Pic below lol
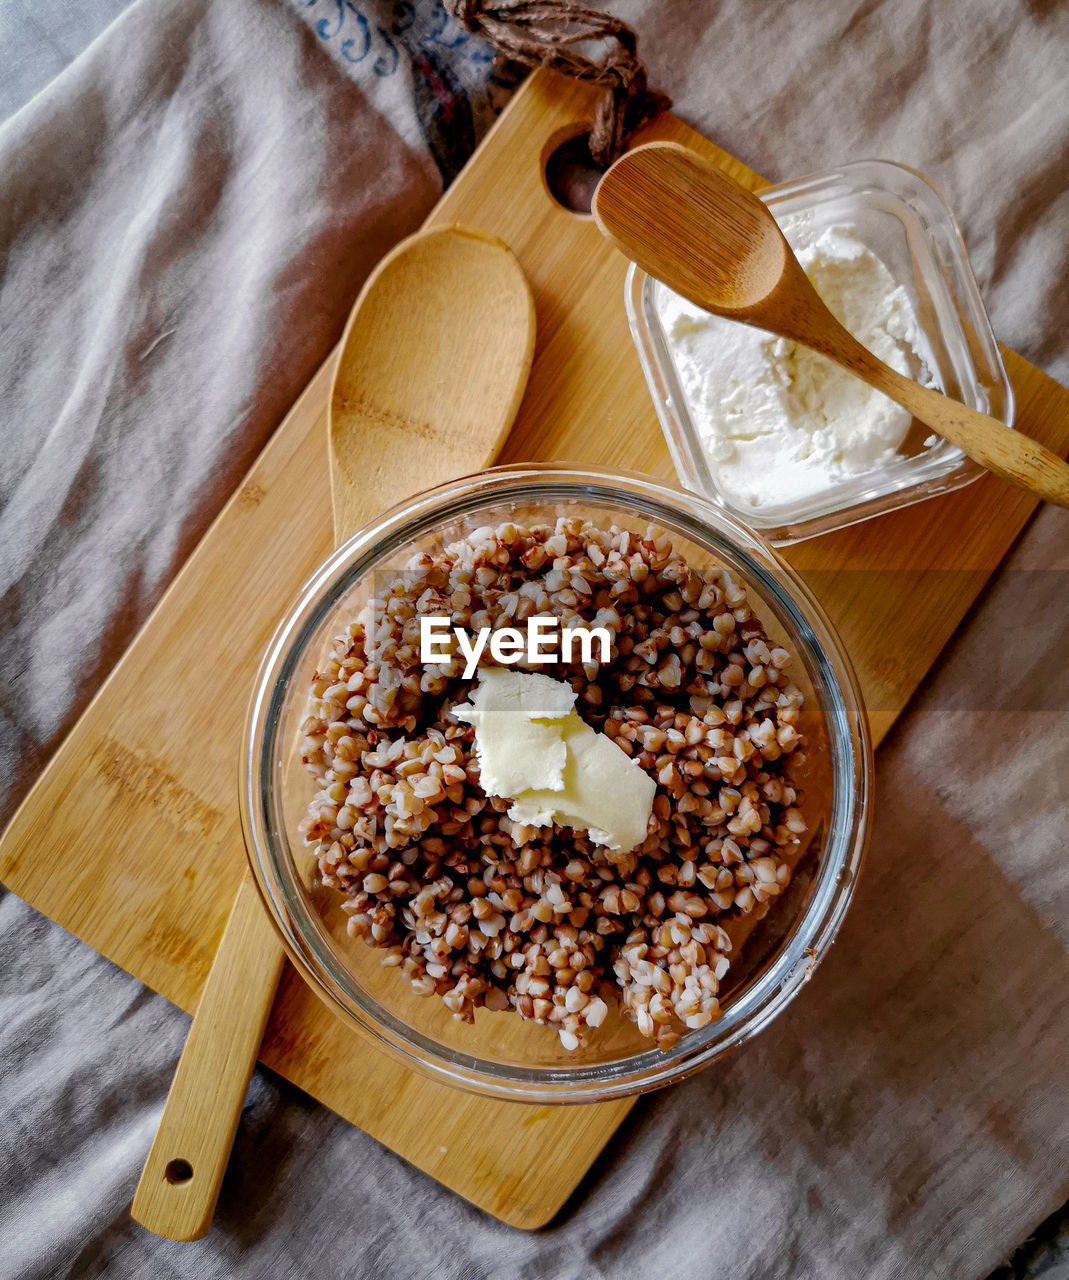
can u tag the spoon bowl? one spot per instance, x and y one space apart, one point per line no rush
729 270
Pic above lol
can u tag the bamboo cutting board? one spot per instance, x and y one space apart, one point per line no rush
131 837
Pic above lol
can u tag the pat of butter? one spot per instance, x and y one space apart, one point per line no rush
604 792
515 748
534 749
521 693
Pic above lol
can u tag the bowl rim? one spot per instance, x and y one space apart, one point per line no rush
849 818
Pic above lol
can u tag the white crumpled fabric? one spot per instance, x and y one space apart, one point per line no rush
188 211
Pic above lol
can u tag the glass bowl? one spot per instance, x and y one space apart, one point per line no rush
500 1055
907 224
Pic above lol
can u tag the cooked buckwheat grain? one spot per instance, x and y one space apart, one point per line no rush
479 910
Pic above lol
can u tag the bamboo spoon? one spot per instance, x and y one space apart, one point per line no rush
432 369
691 226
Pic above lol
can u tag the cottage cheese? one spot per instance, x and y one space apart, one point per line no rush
777 422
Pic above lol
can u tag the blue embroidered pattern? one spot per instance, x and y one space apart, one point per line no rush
457 85
356 37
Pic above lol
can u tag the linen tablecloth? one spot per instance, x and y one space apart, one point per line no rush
187 212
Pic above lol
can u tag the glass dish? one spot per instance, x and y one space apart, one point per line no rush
500 1055
901 217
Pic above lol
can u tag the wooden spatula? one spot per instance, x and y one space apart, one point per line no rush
691 226
432 369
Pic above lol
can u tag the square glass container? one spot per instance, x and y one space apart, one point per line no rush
907 224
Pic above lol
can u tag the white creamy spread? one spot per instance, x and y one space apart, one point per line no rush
779 423
534 749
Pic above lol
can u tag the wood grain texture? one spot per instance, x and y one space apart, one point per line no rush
180 1182
713 241
153 761
433 365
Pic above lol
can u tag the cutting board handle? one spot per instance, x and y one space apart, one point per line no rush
184 1170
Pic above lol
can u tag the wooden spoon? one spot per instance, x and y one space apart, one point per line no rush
432 369
691 226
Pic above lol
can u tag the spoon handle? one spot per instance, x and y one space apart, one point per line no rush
1009 454
184 1170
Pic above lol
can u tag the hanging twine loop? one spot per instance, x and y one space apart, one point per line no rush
545 33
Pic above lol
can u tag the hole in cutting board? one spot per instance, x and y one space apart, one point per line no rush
571 175
178 1171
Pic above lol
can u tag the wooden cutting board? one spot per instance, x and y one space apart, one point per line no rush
131 837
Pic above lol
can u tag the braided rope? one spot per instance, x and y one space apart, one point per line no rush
543 33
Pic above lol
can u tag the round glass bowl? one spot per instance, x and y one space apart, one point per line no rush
501 1055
